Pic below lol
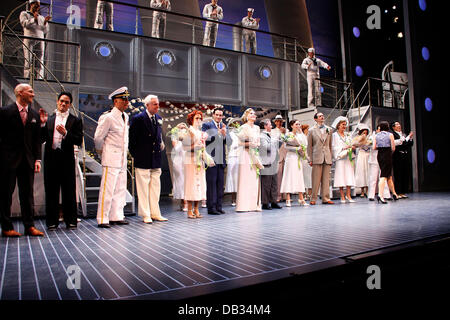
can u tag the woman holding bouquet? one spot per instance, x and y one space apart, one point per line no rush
177 156
343 153
364 145
292 181
248 191
194 143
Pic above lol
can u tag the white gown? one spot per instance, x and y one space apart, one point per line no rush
293 172
178 171
344 174
231 180
362 168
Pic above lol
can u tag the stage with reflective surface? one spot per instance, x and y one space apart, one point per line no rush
184 258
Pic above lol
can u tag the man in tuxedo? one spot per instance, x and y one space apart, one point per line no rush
145 146
319 152
111 143
269 153
20 159
218 137
401 159
60 132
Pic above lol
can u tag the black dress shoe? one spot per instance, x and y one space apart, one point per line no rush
220 211
276 206
104 225
52 227
266 207
214 212
371 199
119 222
72 226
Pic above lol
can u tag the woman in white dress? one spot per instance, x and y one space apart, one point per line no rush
194 143
306 167
231 180
362 161
344 174
248 191
292 181
177 156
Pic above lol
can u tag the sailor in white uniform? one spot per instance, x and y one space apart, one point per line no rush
211 11
250 36
111 143
104 9
159 18
311 64
36 26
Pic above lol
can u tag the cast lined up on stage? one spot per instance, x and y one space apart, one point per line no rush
200 156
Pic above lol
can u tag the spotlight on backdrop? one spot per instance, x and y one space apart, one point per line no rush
425 53
431 156
428 104
359 71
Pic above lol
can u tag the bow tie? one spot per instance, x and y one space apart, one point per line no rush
322 126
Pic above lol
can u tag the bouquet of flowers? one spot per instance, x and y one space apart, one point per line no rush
290 139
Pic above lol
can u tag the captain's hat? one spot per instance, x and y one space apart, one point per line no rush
119 93
311 50
251 9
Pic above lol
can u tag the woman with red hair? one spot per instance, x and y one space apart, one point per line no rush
194 166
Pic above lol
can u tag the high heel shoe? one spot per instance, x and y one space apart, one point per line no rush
197 214
302 202
381 200
395 197
350 200
190 215
288 203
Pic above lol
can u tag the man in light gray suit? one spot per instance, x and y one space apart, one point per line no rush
268 151
319 153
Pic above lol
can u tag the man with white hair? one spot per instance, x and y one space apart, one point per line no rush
36 26
311 64
104 8
249 35
146 146
211 11
111 143
159 18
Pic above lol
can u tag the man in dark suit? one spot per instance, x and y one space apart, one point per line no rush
218 137
20 158
146 145
60 133
401 159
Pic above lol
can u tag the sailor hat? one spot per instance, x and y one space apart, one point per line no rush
33 1
251 9
311 50
119 93
278 117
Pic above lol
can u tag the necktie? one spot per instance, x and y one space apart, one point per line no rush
23 115
153 121
123 117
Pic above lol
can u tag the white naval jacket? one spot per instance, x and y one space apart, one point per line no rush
313 69
159 5
208 9
30 27
111 139
249 23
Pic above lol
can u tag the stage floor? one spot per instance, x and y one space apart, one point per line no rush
183 258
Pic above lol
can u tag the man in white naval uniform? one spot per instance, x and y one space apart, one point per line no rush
249 35
311 64
104 9
213 12
36 26
159 18
111 142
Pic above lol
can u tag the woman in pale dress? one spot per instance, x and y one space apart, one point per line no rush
292 181
231 180
194 143
248 191
362 161
177 157
306 167
344 175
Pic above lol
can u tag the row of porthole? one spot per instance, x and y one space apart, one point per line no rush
166 58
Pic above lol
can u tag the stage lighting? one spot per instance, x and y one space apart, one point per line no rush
104 50
428 104
219 65
166 58
431 156
359 71
356 32
423 5
425 53
400 35
265 72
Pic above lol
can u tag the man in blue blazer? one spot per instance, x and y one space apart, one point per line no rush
218 137
146 145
